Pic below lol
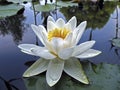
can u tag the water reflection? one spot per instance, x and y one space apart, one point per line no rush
115 42
97 3
8 84
91 12
96 74
12 26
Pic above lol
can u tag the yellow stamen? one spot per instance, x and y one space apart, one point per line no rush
58 32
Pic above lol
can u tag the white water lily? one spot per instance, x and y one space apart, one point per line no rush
60 46
43 2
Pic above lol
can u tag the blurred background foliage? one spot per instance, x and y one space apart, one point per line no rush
95 13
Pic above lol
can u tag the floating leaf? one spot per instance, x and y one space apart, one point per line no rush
9 10
19 1
106 77
37 83
44 8
116 42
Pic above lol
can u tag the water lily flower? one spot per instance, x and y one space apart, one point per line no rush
60 51
43 2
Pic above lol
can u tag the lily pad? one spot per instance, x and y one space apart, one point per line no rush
45 8
104 77
9 10
19 1
116 42
66 4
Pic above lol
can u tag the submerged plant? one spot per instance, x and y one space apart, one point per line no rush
60 51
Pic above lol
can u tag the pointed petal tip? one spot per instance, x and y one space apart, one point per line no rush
85 22
33 25
19 46
51 84
93 41
60 23
50 18
26 75
74 17
40 26
99 52
27 47
89 54
85 81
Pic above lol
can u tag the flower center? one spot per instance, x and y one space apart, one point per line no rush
58 32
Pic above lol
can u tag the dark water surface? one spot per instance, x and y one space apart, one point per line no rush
103 27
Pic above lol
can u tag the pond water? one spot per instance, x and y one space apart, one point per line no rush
103 27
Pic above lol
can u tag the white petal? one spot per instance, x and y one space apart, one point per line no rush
57 44
83 47
46 42
27 47
43 52
38 67
28 52
54 71
67 40
68 26
38 31
42 34
73 22
74 69
89 53
50 19
42 28
60 23
73 40
79 30
68 37
51 26
66 53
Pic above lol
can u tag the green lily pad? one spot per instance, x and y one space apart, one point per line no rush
104 77
9 10
18 1
45 8
66 4
116 42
